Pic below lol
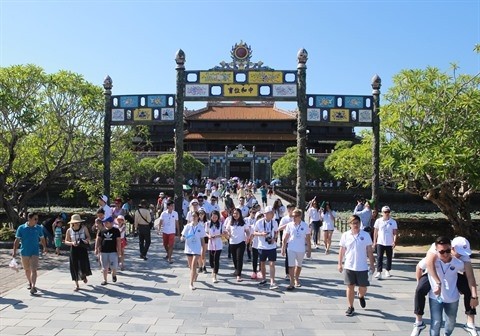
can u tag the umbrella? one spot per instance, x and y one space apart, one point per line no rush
186 187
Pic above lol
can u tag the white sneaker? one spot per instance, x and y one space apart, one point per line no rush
387 274
472 331
417 328
378 275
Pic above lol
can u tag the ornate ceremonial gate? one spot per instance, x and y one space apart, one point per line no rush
241 79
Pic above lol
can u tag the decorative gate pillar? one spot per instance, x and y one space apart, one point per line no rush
107 134
376 84
179 136
302 58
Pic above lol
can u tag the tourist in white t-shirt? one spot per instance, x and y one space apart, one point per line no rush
253 240
356 257
281 227
192 235
296 236
384 240
215 232
328 217
266 230
447 268
466 284
315 221
170 227
238 233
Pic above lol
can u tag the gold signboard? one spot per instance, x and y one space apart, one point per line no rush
142 114
216 77
339 115
240 90
265 77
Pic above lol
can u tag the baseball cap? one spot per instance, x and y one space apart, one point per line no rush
386 208
120 217
109 219
201 195
103 198
227 194
267 209
194 201
461 246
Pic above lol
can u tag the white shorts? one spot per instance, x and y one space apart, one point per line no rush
295 258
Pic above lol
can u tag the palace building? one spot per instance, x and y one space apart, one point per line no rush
243 139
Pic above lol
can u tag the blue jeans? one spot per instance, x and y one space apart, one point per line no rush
450 313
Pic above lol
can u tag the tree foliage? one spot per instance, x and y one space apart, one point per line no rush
51 130
352 163
164 165
433 139
286 166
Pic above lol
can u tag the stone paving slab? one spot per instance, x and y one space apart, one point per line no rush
152 298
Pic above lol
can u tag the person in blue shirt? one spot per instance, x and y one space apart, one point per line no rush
29 235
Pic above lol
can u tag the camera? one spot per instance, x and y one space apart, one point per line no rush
269 239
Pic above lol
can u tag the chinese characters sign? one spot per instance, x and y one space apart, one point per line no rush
241 84
143 109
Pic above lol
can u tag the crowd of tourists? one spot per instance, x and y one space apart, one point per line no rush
254 233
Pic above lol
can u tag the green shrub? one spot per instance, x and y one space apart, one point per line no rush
7 234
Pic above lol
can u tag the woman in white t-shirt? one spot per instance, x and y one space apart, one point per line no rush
215 232
192 235
238 233
278 211
203 220
328 217
315 222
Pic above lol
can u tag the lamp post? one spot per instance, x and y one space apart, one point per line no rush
107 134
376 84
178 136
302 57
226 153
253 167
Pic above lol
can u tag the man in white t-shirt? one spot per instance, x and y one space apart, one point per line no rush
214 203
466 284
243 207
447 268
297 235
170 227
356 249
384 240
266 230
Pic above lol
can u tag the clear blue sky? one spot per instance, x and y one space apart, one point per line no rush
135 41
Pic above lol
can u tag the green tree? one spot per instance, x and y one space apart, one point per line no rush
51 130
432 146
164 165
352 163
286 166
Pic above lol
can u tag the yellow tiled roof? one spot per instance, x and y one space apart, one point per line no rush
241 112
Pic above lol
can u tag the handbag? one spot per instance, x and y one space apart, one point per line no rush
81 243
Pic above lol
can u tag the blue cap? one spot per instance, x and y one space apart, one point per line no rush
109 219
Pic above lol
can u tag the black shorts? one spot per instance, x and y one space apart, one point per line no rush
271 255
358 278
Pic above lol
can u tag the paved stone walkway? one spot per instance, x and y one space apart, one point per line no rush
153 298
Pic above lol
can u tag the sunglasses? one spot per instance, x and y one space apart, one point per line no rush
445 251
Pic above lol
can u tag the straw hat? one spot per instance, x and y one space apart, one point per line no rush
76 219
